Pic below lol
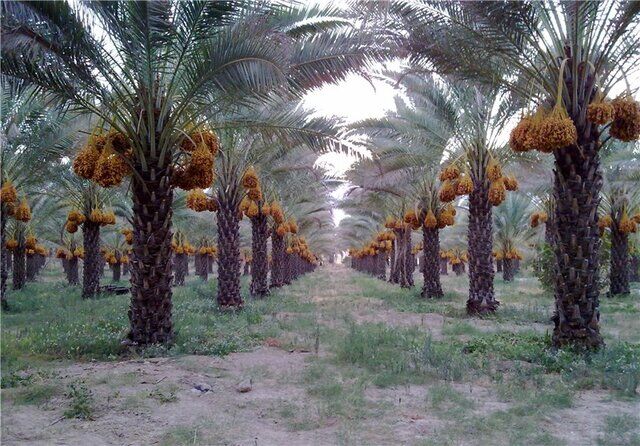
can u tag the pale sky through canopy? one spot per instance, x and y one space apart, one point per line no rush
351 100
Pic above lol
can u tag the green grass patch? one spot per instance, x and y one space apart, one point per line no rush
36 394
617 366
49 321
81 402
448 401
620 430
387 352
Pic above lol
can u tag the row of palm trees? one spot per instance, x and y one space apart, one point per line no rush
154 72
555 66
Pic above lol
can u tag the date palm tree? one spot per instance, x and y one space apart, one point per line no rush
85 197
564 56
154 71
621 203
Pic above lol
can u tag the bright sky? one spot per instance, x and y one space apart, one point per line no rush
351 100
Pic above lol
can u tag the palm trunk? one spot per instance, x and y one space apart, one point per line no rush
73 276
481 296
381 259
180 263
92 259
619 261
444 266
5 255
202 267
260 265
288 268
40 262
401 262
19 263
32 267
393 269
277 259
65 265
229 261
577 185
508 270
499 264
634 268
150 312
409 258
430 268
117 272
549 230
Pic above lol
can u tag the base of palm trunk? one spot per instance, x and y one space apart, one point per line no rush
277 259
117 272
202 267
180 262
260 266
634 268
32 267
5 256
508 270
19 268
444 265
73 276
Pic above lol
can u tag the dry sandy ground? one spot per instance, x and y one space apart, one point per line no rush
127 412
149 402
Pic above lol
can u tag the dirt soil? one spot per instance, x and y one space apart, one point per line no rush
155 401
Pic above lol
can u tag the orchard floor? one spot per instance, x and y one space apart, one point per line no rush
335 358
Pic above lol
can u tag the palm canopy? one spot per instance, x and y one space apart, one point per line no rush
476 40
178 63
621 172
36 134
511 223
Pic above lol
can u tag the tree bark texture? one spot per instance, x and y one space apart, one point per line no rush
260 264
150 311
481 295
619 281
229 261
92 259
277 259
430 268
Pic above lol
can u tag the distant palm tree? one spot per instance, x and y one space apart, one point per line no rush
512 230
456 124
621 203
84 198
